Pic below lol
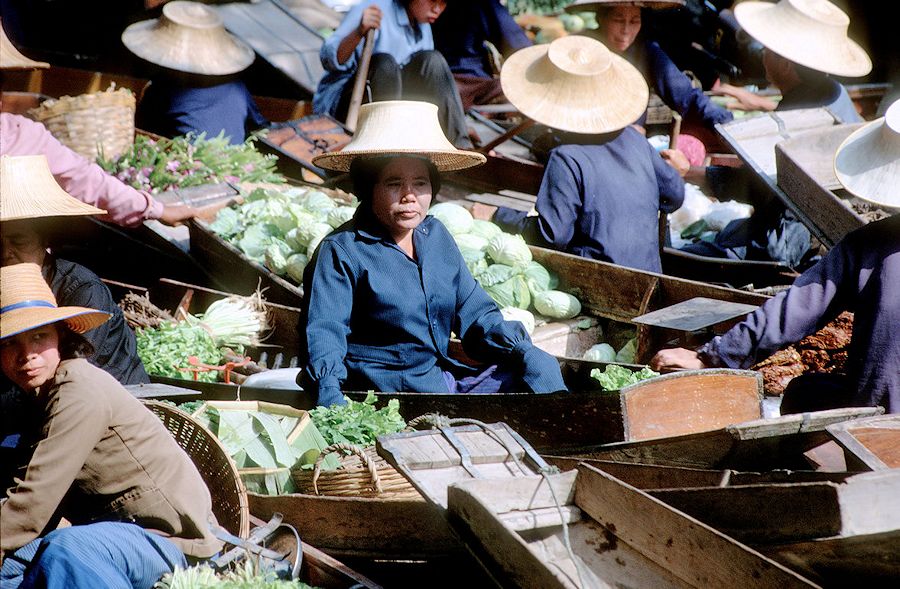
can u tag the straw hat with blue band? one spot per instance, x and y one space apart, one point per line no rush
26 302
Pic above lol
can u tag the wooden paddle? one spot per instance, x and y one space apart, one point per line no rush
359 84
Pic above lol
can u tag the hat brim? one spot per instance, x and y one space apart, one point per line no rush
867 164
78 319
444 161
801 46
531 83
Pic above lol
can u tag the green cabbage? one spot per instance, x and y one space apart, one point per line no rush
317 202
627 353
276 256
495 274
469 241
508 249
296 263
614 378
256 239
227 223
521 315
538 278
340 215
484 229
510 293
455 218
557 304
314 244
600 353
306 234
475 260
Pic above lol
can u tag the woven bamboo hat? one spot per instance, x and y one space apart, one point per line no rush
400 127
590 5
29 191
575 84
11 59
868 162
26 302
812 33
188 37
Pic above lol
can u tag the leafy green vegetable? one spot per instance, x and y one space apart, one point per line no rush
615 377
508 249
358 422
600 353
556 304
165 349
455 218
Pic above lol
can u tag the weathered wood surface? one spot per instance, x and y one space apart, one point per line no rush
764 444
321 570
738 273
870 444
689 549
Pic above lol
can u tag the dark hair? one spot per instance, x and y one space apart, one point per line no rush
364 174
72 345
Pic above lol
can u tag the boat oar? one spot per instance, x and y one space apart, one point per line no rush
359 84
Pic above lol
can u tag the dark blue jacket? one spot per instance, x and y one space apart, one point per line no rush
602 202
170 109
860 274
374 318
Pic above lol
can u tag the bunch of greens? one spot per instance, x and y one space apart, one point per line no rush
166 349
234 322
356 422
246 576
536 6
615 377
191 160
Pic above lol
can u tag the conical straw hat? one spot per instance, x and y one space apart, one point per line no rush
11 59
26 302
590 5
812 33
188 37
400 127
868 162
575 84
29 191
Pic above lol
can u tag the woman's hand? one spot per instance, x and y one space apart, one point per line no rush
676 359
371 19
677 160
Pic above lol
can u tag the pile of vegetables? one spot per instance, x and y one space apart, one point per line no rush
614 378
157 166
282 229
233 323
357 422
516 7
245 576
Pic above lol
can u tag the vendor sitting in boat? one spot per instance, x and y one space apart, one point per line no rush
101 460
603 190
860 274
385 291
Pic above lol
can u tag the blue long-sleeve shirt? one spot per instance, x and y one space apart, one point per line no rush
374 318
602 202
172 109
818 89
396 36
860 274
462 29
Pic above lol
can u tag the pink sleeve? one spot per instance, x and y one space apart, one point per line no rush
81 178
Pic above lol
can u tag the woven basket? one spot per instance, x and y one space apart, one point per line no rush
229 498
363 473
91 124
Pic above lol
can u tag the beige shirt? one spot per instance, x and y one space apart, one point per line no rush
103 456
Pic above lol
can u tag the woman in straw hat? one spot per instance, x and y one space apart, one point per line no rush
860 274
404 63
85 180
99 456
194 88
804 42
601 194
385 290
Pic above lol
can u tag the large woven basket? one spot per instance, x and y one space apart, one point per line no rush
363 473
95 124
229 498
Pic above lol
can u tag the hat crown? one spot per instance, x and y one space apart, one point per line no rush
22 284
579 56
822 12
192 15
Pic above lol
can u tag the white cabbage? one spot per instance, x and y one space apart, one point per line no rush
557 304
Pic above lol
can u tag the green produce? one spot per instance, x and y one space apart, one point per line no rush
476 261
469 241
538 278
520 315
517 7
165 164
165 349
340 215
296 264
485 229
234 322
245 576
600 353
512 292
508 249
277 256
557 304
455 218
628 352
358 422
614 377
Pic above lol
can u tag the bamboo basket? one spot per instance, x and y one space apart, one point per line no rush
101 123
362 474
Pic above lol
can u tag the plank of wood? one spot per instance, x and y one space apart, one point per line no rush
536 519
497 200
691 550
800 423
872 444
647 476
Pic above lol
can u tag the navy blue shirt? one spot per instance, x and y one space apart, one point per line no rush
816 90
602 202
374 318
860 274
462 29
170 110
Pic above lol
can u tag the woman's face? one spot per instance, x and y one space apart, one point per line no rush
402 195
423 11
30 359
621 27
21 243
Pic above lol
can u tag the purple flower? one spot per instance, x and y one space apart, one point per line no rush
249 167
232 179
173 166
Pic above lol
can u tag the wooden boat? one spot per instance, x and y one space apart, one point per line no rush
869 444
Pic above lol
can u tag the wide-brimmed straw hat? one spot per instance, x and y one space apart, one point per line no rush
868 162
29 191
11 59
26 302
575 84
812 33
188 37
400 127
591 5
